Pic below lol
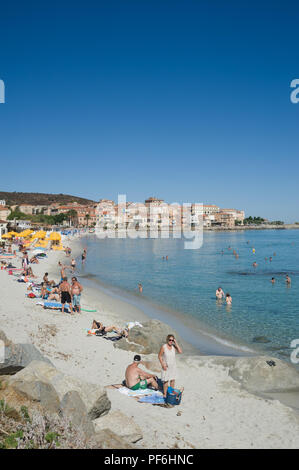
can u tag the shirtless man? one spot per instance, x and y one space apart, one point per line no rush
288 279
136 378
140 288
76 293
219 293
66 294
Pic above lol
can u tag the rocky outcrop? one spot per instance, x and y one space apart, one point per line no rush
258 374
18 356
121 425
107 439
265 374
148 339
73 408
93 396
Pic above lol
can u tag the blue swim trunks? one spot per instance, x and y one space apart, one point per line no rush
76 300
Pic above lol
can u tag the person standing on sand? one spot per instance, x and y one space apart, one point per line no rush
73 265
76 293
166 357
136 378
66 294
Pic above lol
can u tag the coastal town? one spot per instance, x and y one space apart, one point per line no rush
154 213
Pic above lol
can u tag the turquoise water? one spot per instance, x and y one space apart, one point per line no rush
187 282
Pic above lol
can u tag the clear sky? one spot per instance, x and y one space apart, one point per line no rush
185 100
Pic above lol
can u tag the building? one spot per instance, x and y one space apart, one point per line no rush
237 215
3 227
4 212
210 209
2 202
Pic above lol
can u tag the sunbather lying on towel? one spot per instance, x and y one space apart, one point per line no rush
96 325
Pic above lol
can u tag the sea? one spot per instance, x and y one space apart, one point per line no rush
263 317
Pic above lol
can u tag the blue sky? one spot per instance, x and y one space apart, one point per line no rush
184 100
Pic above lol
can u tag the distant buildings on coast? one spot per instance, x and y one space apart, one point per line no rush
153 213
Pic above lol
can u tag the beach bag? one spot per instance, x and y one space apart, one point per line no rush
174 396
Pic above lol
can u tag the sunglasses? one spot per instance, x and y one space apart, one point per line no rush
170 340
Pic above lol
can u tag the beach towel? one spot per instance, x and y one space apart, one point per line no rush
137 393
113 338
55 305
153 399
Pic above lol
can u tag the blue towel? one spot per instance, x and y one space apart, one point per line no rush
153 399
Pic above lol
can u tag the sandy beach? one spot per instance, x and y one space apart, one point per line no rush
216 411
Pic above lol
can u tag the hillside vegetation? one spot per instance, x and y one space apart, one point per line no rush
44 199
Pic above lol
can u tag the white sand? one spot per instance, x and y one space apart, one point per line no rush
215 411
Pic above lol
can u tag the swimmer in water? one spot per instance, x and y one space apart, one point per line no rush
273 280
219 293
228 299
288 279
254 264
140 288
270 259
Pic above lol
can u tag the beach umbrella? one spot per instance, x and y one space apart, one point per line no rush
40 234
55 236
7 235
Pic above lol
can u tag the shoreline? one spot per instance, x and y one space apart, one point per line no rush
216 410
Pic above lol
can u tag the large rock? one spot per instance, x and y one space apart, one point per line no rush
73 408
107 439
93 396
148 339
120 424
41 392
18 356
256 374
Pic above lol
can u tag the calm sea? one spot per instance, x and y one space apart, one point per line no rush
262 316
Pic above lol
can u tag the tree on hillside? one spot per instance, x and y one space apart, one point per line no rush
87 217
71 216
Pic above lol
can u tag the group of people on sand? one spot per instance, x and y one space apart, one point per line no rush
63 292
220 296
137 379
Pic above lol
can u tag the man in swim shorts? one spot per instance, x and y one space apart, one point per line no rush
136 378
66 294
